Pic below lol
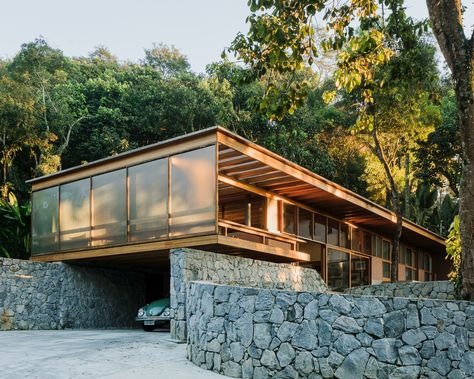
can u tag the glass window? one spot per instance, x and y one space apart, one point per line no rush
356 239
75 214
333 232
402 257
386 250
378 246
305 223
148 192
319 228
428 276
367 246
386 270
338 270
109 208
359 271
408 256
193 192
45 226
345 236
409 274
316 252
289 218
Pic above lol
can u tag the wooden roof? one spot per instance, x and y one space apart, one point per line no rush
246 162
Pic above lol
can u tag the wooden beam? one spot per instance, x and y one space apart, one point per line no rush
261 248
131 248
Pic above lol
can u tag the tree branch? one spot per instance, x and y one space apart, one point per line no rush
446 20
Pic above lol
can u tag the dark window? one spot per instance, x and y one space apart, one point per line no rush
305 223
345 236
386 270
356 239
367 242
319 228
289 218
338 270
333 232
359 271
386 250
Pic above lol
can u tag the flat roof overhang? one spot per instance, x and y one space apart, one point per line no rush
245 162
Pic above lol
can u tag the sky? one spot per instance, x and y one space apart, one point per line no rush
199 29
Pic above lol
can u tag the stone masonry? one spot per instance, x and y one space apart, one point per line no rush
267 333
37 295
188 265
432 290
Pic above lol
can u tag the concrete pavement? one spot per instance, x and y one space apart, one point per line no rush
111 354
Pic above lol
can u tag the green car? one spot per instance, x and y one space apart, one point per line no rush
155 313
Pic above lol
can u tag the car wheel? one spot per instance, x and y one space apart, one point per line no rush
148 328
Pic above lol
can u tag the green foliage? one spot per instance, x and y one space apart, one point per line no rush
439 157
14 228
453 252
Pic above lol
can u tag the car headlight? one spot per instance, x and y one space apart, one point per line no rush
141 312
166 312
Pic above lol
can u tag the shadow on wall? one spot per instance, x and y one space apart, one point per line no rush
37 295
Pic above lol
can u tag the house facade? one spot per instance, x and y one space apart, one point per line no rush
219 192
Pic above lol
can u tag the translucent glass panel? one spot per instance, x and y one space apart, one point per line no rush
289 218
45 221
75 217
356 239
305 224
359 271
319 228
338 270
148 192
333 232
193 192
109 208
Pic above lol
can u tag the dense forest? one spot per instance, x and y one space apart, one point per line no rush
57 112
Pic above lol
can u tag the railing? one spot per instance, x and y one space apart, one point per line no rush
249 233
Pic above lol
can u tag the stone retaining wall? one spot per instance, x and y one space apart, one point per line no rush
188 265
37 295
263 333
432 290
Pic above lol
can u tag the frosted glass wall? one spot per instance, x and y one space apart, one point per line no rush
75 216
148 186
109 208
193 192
45 221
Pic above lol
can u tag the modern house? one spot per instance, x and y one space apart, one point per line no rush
216 191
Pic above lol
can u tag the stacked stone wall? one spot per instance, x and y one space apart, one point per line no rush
188 265
36 295
433 290
264 333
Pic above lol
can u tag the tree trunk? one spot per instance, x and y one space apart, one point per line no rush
458 50
397 206
465 100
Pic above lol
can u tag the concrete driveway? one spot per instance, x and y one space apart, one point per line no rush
117 354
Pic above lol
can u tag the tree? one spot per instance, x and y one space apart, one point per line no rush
282 39
458 51
168 61
438 159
